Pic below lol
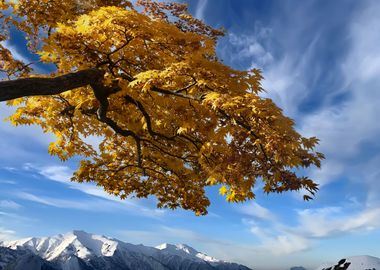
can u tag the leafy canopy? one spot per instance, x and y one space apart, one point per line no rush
172 118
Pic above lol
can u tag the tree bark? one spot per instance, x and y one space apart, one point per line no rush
48 86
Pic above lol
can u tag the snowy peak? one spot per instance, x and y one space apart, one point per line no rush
353 263
180 248
95 244
186 251
77 243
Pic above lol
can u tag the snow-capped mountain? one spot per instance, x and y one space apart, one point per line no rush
185 251
79 250
353 263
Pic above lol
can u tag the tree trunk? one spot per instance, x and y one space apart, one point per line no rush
48 86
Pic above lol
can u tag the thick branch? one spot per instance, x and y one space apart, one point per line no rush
101 93
48 86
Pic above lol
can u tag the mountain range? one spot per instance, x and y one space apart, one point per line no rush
78 250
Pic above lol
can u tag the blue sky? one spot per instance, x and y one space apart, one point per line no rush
321 63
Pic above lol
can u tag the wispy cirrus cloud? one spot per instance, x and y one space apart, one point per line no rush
19 142
255 210
63 174
6 234
276 241
9 182
88 205
311 226
9 204
200 9
92 205
336 99
252 47
349 131
10 222
16 52
329 222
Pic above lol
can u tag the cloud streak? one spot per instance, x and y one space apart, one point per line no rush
62 174
200 9
6 235
312 225
87 205
8 204
256 210
339 102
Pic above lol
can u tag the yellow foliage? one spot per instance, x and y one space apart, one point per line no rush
178 119
223 190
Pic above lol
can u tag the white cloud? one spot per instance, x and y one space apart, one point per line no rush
9 182
275 240
63 174
319 223
13 216
250 47
335 221
88 205
9 222
15 53
60 174
200 9
25 58
343 127
329 172
286 78
363 62
8 204
256 210
312 225
285 244
6 234
344 130
14 139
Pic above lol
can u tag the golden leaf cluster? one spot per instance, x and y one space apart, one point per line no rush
196 122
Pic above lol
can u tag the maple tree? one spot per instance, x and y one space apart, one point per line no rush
172 118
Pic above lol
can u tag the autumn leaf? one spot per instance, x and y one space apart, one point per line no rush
171 118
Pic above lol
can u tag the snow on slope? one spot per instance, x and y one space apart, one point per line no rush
76 243
356 263
85 245
186 251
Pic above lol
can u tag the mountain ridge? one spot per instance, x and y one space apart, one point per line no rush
79 250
